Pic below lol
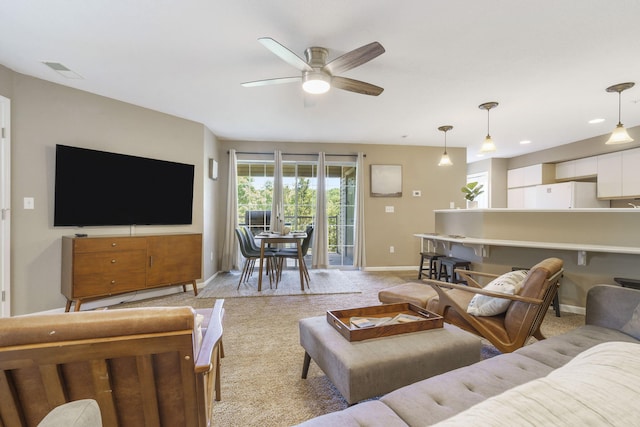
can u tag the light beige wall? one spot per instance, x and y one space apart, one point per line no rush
211 189
439 186
45 114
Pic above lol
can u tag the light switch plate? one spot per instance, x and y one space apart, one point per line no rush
388 209
29 203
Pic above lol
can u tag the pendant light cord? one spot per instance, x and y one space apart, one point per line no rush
619 107
488 133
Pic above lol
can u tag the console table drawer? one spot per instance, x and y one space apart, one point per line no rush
99 273
103 244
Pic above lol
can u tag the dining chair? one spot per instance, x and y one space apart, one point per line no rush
251 256
292 253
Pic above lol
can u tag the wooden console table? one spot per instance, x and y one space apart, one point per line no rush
101 266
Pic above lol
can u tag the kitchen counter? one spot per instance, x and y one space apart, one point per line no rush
580 230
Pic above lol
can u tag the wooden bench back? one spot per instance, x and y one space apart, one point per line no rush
138 364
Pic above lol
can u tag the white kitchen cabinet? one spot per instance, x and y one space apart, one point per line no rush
579 168
631 173
531 175
586 167
610 175
515 178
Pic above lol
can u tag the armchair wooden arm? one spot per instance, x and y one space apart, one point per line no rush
467 276
207 367
438 284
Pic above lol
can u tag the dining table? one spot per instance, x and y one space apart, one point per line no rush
268 238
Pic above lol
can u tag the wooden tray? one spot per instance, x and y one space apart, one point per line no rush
339 319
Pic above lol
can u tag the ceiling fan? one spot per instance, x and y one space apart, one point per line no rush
318 76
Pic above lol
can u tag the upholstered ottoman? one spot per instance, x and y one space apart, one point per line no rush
369 368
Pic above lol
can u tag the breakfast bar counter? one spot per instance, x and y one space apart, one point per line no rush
580 230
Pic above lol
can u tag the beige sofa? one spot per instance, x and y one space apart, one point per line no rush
588 376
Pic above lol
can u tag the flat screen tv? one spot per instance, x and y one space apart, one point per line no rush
98 188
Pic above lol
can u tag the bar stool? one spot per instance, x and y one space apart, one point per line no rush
450 264
432 257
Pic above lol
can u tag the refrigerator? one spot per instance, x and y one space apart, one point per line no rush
568 195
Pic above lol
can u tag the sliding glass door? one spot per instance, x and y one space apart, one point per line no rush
255 192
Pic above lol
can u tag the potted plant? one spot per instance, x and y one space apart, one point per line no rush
471 191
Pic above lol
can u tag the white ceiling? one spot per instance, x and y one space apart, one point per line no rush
546 62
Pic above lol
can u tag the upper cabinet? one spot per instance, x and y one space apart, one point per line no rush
619 174
531 175
521 184
631 173
576 169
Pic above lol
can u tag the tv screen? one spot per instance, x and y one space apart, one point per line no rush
96 188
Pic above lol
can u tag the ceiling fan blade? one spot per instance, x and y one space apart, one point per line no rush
277 81
354 58
285 54
357 86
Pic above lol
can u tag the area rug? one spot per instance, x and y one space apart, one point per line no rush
225 285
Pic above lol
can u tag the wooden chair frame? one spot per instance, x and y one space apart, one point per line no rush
140 365
485 326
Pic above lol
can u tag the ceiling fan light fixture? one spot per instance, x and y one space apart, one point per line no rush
619 134
445 160
316 82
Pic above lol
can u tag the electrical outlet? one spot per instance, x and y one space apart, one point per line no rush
392 249
389 209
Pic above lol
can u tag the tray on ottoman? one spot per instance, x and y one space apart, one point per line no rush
340 320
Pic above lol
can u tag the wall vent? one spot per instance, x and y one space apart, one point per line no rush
62 70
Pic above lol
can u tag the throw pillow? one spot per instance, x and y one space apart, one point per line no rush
509 283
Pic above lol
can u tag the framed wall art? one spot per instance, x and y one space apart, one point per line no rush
386 180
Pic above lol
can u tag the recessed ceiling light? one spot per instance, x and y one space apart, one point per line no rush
595 121
525 142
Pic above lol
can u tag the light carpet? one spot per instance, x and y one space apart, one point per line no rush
261 370
323 282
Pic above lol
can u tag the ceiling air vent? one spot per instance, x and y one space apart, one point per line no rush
62 70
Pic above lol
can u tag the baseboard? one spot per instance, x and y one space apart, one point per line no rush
131 297
572 309
392 268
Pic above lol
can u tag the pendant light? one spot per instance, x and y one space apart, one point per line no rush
488 145
619 134
445 160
